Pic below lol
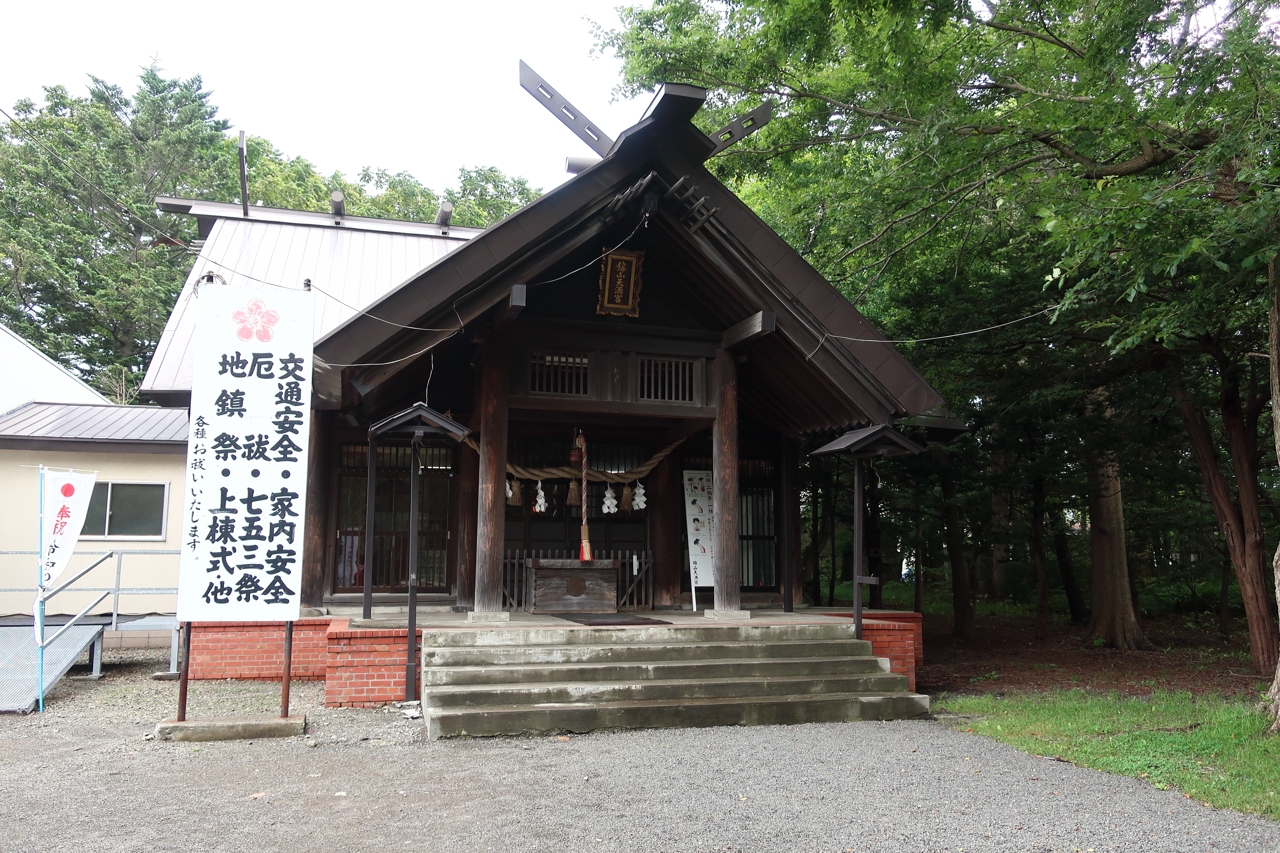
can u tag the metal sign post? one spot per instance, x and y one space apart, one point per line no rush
186 670
286 675
40 601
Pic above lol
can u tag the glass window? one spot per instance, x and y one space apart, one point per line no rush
127 510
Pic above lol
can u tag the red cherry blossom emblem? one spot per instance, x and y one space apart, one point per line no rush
256 322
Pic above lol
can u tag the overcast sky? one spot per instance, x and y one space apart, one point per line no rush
425 87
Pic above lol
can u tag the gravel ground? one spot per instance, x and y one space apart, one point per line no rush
83 776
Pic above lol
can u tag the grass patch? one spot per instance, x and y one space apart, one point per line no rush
1213 749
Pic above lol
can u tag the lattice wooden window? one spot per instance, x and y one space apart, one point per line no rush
665 379
558 373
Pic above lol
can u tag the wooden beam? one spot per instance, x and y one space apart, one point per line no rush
586 405
492 493
758 324
511 308
724 474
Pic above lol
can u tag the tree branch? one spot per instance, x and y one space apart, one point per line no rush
1044 37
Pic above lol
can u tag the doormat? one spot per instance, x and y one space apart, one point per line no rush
607 620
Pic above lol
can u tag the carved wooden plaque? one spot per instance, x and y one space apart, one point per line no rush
620 284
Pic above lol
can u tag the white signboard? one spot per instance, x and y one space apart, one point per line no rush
245 497
700 524
66 499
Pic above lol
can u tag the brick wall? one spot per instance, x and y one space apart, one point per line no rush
255 650
907 617
366 668
895 641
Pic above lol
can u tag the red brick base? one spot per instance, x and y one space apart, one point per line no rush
255 650
366 668
895 641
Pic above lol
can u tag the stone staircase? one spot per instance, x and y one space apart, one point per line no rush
524 681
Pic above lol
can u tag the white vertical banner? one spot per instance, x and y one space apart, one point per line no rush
245 498
700 525
66 500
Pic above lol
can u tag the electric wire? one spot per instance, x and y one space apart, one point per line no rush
825 337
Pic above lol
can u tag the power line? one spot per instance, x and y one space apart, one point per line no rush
926 340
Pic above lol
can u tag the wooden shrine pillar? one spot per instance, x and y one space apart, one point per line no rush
492 493
464 527
666 530
319 473
724 473
786 514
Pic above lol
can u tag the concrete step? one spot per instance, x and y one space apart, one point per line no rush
670 690
573 635
662 713
651 670
580 653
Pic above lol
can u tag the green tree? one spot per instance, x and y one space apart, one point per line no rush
1134 139
84 276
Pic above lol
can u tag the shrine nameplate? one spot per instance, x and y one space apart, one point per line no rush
574 586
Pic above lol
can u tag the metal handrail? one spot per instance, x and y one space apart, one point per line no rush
115 590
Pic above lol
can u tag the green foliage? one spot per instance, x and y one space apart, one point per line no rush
83 276
1214 750
84 273
954 167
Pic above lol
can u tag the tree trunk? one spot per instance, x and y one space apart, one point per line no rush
1062 550
1114 621
1273 349
1238 521
1038 557
958 552
1001 517
1224 600
874 535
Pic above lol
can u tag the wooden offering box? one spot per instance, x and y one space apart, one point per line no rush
573 586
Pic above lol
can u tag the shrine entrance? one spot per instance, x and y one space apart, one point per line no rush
390 565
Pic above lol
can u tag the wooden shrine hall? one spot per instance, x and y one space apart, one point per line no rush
640 305
592 370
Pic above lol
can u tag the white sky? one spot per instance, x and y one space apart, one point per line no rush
424 87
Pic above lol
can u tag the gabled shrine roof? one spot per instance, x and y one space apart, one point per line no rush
820 381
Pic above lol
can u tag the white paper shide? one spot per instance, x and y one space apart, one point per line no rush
700 525
245 497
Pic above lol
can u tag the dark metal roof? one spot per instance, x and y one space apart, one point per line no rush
857 381
71 422
878 440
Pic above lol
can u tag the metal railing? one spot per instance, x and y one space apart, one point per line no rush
115 591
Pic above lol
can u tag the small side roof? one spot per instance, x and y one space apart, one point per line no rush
30 374
50 425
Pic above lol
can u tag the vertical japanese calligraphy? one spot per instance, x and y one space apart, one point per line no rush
700 521
620 284
247 456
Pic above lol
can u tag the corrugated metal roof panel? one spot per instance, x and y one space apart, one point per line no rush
349 269
90 422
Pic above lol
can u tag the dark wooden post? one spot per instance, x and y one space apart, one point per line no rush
465 529
286 677
411 657
369 494
666 525
492 495
785 516
313 562
724 462
185 677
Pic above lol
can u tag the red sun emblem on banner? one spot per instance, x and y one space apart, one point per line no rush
255 322
68 490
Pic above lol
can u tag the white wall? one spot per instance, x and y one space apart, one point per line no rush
19 516
31 375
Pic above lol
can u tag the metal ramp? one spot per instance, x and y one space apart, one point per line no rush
18 653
